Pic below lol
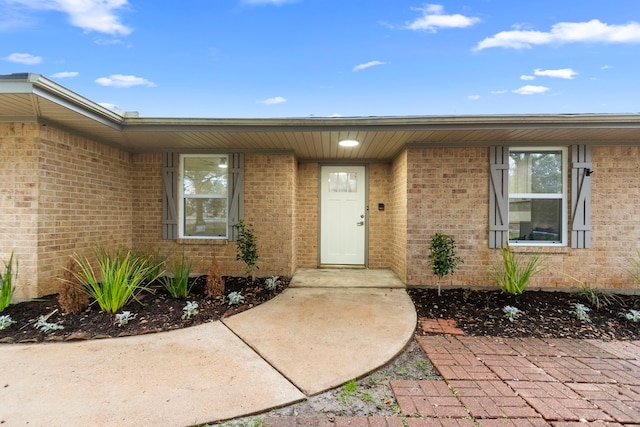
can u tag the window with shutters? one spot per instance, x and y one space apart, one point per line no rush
203 196
537 196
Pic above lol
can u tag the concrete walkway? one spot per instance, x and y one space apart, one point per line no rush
304 341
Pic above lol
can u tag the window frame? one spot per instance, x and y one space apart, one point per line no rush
563 197
182 197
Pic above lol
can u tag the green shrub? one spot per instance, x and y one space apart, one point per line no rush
155 260
634 268
120 277
178 282
247 247
7 288
442 253
515 273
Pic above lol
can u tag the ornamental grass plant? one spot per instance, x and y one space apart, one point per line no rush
120 277
515 272
7 287
177 283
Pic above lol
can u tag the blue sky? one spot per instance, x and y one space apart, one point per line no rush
288 58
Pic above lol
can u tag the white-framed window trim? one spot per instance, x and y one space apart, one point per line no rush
203 213
562 196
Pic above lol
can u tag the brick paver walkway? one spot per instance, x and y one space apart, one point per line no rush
513 382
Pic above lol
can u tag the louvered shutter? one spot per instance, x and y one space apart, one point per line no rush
236 193
170 160
499 196
581 196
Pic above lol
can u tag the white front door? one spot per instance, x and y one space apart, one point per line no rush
342 215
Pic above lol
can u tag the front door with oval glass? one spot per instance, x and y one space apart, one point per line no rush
342 215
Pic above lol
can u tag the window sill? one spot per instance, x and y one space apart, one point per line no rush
186 241
562 250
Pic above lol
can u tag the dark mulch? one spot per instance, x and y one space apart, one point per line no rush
158 312
544 314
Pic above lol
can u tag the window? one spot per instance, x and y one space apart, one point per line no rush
537 200
204 190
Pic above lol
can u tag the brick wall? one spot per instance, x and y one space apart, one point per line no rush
19 150
398 215
269 191
448 190
379 231
307 215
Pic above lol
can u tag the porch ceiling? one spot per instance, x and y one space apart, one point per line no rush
33 98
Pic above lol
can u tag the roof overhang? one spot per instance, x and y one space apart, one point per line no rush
33 98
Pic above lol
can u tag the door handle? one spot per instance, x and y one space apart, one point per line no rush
360 223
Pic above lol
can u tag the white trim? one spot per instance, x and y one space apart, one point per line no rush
563 196
181 198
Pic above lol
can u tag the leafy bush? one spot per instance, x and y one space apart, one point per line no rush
247 247
515 273
631 315
178 282
121 277
442 253
124 318
582 312
271 283
511 313
7 288
235 298
6 321
191 309
43 325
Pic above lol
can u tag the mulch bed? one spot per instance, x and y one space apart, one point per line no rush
158 312
544 314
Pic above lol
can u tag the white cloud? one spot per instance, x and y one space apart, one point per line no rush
24 58
593 31
563 73
433 19
606 67
367 65
531 90
119 80
65 74
526 77
473 97
90 15
498 92
273 101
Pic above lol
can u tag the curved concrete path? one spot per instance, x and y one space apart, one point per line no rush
304 341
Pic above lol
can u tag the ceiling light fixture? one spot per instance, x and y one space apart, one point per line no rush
348 143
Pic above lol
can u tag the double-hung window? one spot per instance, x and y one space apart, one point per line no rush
203 196
537 200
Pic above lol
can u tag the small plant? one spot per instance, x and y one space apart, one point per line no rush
511 313
348 391
247 247
514 275
271 283
442 253
235 298
155 259
631 315
7 288
43 325
178 282
582 312
215 283
6 321
190 310
121 277
598 298
124 318
634 268
72 296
